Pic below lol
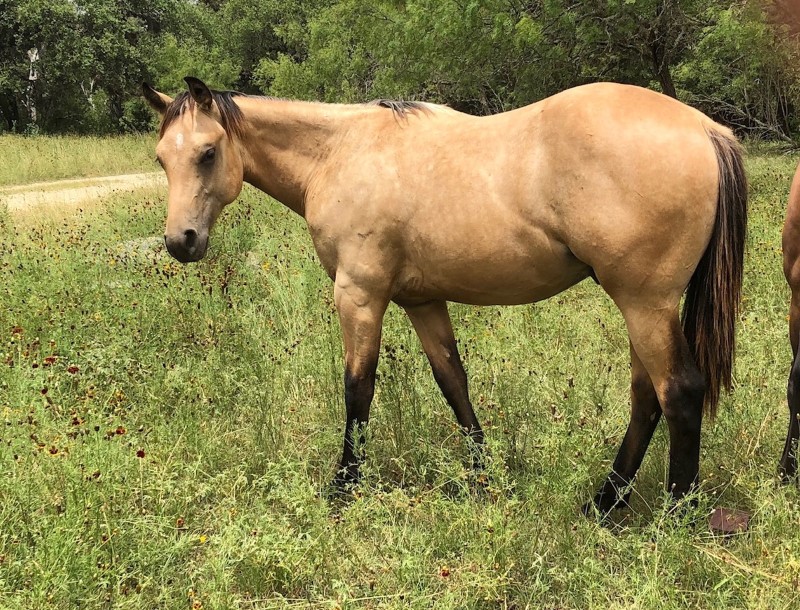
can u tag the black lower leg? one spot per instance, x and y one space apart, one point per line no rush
645 413
358 393
788 463
683 410
615 491
452 380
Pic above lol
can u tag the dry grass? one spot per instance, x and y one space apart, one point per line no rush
25 159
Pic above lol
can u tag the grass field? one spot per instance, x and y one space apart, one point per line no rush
25 159
167 432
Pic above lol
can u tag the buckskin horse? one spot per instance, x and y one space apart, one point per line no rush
419 204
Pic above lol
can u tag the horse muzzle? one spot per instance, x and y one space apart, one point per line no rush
188 246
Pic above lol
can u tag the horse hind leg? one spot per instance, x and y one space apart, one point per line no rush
657 338
645 414
788 464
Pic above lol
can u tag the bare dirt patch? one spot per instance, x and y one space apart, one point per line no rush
70 193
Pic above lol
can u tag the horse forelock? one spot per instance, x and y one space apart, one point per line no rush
231 116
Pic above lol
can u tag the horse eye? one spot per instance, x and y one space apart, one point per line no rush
208 156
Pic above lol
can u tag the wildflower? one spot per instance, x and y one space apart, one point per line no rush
140 453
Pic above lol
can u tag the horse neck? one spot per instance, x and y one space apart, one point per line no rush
285 142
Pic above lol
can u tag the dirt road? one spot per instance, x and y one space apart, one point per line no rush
70 193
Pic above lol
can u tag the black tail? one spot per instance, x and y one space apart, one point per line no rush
713 296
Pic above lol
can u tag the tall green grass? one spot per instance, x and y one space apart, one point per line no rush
25 159
168 431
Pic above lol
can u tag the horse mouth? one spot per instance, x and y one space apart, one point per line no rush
188 247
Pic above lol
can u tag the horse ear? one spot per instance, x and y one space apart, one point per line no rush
199 92
158 101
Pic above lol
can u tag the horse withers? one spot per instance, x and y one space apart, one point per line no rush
418 204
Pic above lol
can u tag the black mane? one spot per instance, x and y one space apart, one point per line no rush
231 114
400 107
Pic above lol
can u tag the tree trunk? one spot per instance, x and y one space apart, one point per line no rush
661 68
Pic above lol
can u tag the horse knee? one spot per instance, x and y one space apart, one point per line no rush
359 389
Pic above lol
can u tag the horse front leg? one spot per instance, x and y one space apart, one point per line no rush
432 323
360 315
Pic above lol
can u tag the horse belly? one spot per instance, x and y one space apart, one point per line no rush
509 273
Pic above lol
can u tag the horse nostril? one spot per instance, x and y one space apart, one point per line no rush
191 237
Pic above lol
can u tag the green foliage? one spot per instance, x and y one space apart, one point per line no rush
493 55
92 53
732 58
478 57
745 73
263 30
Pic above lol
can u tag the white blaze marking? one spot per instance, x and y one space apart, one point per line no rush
179 141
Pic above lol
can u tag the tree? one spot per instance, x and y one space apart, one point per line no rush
744 73
92 55
482 56
12 69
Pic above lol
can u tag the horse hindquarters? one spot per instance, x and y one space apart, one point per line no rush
687 362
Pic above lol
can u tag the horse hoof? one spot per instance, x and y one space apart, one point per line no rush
601 514
592 510
787 471
604 503
343 485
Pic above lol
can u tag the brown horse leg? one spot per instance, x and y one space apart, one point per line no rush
658 339
645 413
432 323
361 316
788 463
